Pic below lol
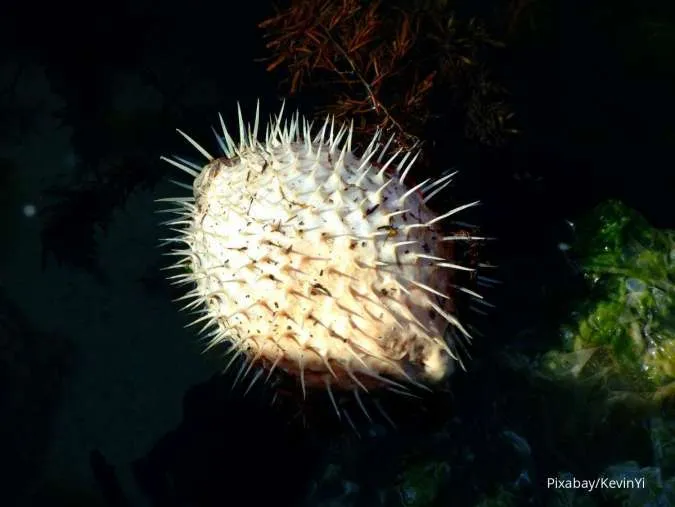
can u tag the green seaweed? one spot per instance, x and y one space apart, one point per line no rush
629 313
420 483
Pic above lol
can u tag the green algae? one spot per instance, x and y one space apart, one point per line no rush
628 317
420 483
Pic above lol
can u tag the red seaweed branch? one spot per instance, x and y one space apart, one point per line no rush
391 65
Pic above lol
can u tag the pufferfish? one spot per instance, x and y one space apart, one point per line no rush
309 260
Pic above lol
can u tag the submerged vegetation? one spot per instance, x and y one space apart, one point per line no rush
625 327
398 65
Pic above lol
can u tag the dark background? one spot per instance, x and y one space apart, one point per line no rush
592 88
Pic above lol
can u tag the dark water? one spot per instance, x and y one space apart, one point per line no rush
89 99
